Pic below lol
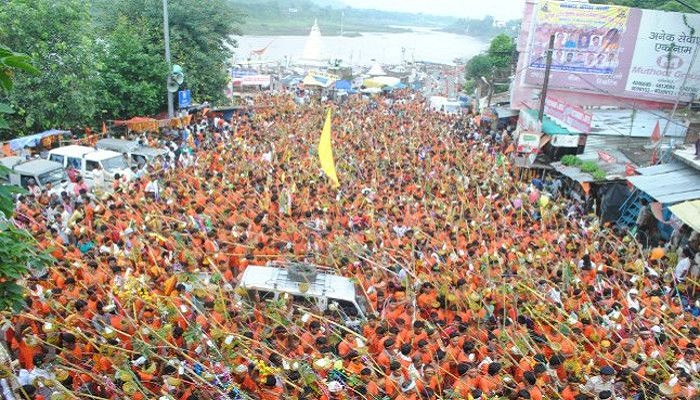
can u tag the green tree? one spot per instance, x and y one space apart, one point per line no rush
57 35
480 65
494 65
133 72
18 250
501 50
9 63
201 38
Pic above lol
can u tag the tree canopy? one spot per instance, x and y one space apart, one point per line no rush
18 249
495 64
104 59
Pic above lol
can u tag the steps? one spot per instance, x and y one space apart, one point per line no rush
629 210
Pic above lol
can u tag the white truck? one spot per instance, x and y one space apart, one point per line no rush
44 173
305 285
137 154
85 159
443 104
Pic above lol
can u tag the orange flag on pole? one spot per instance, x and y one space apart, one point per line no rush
656 134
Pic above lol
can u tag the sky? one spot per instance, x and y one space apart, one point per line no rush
499 9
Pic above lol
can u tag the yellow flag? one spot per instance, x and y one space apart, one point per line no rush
325 152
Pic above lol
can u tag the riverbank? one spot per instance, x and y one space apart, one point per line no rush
301 28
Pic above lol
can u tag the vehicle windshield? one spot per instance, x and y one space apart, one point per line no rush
114 164
54 176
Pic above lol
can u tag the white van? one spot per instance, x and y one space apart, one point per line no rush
307 286
445 105
137 154
85 159
43 172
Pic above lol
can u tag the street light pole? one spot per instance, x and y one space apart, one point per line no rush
166 34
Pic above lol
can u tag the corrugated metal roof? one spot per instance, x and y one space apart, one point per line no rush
661 169
668 183
687 156
635 123
613 171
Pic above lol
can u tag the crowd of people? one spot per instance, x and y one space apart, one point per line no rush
479 285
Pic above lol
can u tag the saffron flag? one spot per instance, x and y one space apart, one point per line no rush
325 152
656 134
104 128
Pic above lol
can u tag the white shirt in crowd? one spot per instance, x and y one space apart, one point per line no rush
682 268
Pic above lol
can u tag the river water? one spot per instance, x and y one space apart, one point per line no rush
422 44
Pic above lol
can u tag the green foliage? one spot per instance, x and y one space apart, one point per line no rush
599 175
484 27
9 63
133 72
495 64
104 59
18 249
200 41
590 167
273 18
18 252
571 160
478 66
58 37
501 51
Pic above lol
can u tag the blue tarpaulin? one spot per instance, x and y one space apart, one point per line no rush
33 140
343 85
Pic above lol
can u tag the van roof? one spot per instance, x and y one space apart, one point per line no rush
273 278
34 166
37 167
129 146
99 155
119 144
10 162
72 150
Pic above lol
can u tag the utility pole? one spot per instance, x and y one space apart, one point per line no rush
680 93
545 84
166 35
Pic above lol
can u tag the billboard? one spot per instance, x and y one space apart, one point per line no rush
256 80
626 52
662 59
571 115
587 37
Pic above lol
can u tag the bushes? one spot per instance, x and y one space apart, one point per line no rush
571 160
589 167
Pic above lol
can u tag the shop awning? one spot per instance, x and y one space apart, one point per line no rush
549 126
689 213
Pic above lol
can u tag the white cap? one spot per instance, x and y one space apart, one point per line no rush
334 387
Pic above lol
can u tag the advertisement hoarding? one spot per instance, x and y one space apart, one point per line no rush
565 140
570 115
590 41
662 59
528 142
626 52
256 80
